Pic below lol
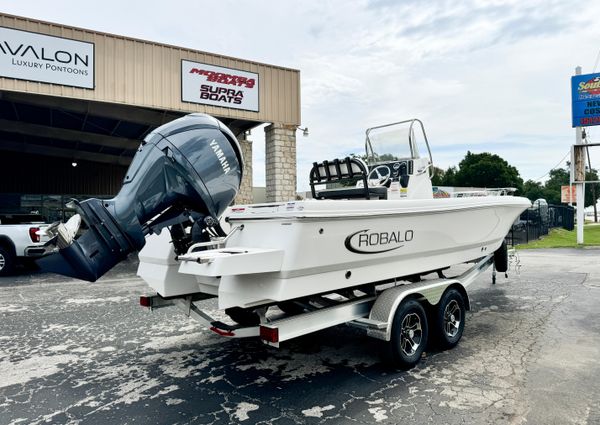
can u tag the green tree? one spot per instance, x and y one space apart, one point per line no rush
591 191
533 190
558 177
487 170
444 177
438 177
450 176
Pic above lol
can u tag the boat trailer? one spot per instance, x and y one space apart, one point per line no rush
405 316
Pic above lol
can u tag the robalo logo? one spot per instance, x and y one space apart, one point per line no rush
368 242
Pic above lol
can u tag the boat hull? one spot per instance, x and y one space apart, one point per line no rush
314 247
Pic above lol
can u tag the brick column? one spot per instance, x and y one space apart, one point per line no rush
244 196
280 162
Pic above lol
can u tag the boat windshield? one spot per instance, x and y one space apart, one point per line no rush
395 141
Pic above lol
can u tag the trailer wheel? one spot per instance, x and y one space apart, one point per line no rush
7 261
450 319
243 316
409 336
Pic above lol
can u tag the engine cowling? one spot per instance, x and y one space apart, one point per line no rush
186 171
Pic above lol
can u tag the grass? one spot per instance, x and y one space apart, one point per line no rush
561 238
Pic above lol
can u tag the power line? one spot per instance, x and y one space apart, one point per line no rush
587 133
559 162
597 60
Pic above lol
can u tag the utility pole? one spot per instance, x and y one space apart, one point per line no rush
579 164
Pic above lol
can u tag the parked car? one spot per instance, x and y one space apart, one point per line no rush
20 239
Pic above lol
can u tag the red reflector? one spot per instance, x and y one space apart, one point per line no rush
221 331
33 234
145 301
235 210
269 334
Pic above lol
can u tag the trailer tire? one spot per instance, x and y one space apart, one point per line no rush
449 319
501 258
409 336
243 316
7 261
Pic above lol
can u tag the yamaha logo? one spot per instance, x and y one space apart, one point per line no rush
368 242
220 156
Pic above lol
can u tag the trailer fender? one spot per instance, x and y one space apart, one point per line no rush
388 301
464 294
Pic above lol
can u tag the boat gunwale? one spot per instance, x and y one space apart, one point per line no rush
318 215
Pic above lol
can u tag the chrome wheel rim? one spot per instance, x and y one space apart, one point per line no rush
452 319
2 261
411 334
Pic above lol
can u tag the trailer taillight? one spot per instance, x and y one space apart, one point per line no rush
269 334
33 234
145 301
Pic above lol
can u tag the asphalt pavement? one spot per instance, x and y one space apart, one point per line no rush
75 352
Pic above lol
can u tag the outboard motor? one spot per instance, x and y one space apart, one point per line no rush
186 172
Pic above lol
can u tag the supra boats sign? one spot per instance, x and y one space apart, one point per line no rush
218 86
47 59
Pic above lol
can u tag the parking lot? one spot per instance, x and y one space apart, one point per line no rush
74 352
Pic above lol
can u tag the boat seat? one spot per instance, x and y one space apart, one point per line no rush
347 171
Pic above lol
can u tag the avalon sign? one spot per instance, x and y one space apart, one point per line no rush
38 57
217 86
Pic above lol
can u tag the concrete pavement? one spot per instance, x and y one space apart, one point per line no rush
74 352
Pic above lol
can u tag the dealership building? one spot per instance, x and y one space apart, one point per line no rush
75 104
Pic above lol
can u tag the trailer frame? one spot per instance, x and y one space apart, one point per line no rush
375 313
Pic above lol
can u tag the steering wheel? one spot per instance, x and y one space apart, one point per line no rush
379 175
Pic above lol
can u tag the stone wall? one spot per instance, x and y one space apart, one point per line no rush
244 196
280 162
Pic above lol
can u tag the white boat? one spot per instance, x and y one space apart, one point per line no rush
356 253
289 250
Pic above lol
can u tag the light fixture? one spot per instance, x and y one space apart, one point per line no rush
74 163
304 130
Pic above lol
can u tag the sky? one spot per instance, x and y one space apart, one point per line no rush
483 75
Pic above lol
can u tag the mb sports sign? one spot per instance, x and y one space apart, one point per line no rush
217 86
47 59
586 100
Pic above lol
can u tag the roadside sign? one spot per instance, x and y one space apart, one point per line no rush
568 194
217 86
30 56
585 90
